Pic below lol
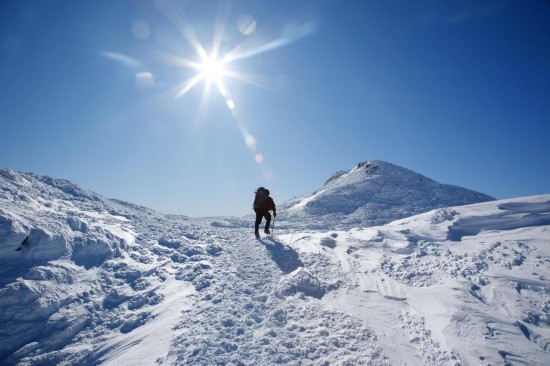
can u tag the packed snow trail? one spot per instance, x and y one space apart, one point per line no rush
261 310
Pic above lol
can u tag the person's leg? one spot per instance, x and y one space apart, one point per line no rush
267 216
257 223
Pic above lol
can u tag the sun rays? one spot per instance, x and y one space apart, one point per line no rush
209 64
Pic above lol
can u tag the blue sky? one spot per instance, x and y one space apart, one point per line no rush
102 93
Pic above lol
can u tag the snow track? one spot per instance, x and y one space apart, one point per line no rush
244 317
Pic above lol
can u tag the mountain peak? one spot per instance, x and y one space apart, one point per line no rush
374 193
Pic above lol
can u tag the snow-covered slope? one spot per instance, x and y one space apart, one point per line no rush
98 281
467 285
373 193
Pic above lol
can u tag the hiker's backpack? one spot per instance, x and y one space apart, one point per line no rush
260 200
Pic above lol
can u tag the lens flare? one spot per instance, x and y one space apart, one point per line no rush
250 141
144 80
246 25
141 30
259 158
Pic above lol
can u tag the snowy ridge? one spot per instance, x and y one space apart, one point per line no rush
99 281
374 193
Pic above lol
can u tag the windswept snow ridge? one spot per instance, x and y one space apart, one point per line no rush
88 280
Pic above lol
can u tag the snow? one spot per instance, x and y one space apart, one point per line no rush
372 193
145 344
89 280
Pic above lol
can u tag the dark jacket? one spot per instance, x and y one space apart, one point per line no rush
264 203
271 205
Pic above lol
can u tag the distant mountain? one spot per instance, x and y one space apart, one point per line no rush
373 193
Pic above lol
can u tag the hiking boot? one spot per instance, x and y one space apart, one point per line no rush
257 235
267 231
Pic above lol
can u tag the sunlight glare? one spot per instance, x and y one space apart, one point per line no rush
212 68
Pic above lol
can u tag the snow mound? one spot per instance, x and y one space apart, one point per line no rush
301 281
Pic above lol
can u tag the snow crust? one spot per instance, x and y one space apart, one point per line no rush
88 280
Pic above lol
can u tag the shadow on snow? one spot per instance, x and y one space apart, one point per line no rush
285 257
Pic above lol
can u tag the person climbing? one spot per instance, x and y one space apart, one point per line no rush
263 203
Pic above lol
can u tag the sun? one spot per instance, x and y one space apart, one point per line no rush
211 68
214 67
